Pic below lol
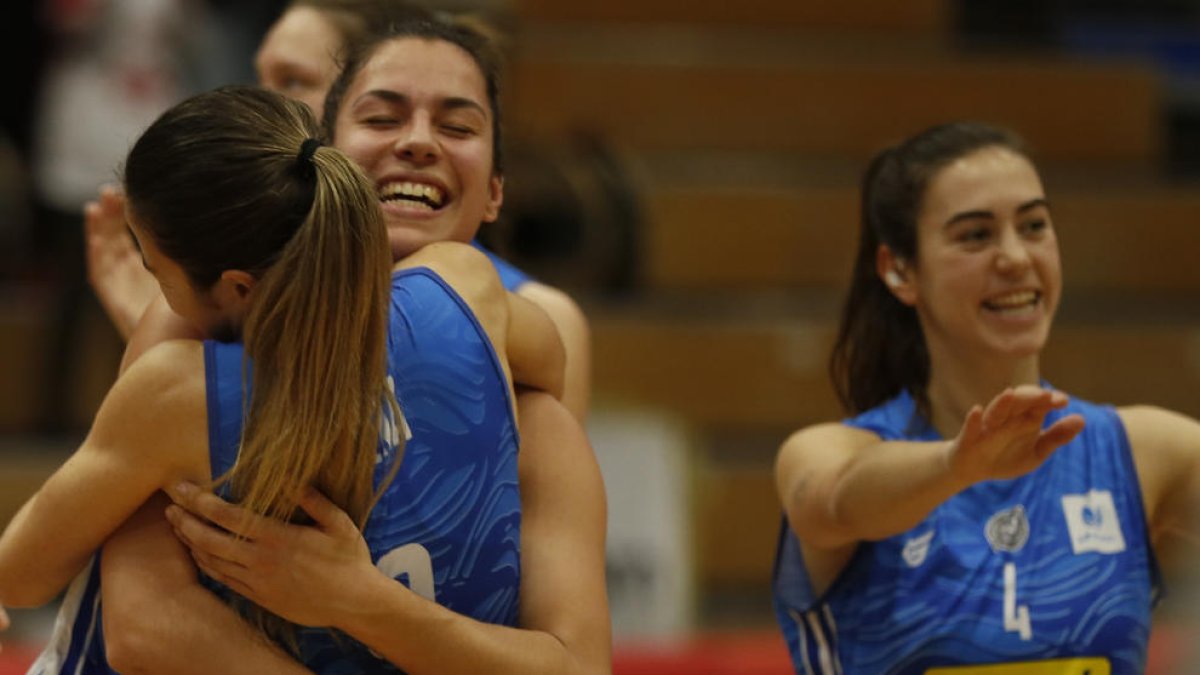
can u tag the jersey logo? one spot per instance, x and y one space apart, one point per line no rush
916 549
1008 530
1092 522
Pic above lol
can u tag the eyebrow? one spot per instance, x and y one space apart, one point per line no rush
451 102
1041 202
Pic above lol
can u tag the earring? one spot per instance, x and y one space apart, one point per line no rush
893 278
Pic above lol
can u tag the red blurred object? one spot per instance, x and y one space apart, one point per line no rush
743 653
15 659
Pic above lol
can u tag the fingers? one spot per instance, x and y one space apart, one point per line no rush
997 412
973 425
204 538
1025 404
326 514
1058 434
224 572
212 508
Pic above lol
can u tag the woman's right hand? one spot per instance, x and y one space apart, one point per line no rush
1005 439
114 264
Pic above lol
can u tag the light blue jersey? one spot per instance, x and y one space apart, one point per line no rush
449 524
1052 570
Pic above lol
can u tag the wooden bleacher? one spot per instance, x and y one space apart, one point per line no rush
726 373
919 16
678 85
841 109
1136 239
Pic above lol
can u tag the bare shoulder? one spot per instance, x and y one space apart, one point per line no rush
447 258
1151 427
469 272
166 384
563 310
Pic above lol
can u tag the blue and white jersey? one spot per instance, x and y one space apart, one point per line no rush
511 277
449 524
76 645
1051 572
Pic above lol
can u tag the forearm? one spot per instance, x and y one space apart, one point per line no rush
422 637
884 490
159 619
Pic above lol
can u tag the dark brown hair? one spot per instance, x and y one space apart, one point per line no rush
880 348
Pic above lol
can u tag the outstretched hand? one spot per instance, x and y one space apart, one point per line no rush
1005 439
299 572
114 265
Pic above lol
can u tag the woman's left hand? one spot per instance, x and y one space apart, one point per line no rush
299 572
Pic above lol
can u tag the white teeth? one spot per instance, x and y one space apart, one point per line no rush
1013 300
419 193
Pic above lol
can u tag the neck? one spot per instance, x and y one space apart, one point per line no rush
958 382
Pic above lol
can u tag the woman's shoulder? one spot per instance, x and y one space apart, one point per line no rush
159 400
172 366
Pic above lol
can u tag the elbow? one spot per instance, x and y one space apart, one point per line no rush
817 521
22 598
22 592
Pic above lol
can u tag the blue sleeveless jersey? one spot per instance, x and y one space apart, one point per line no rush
1051 572
449 524
511 277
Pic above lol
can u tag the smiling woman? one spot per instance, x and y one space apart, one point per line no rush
968 513
418 111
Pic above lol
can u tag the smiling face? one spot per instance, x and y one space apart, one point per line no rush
297 56
988 279
416 118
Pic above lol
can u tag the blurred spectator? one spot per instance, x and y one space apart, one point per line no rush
113 66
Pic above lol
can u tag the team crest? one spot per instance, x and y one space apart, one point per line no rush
916 549
1008 530
1092 522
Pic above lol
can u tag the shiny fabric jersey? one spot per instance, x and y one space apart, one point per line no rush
449 524
1051 572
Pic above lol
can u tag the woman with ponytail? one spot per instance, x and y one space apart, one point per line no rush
968 513
256 231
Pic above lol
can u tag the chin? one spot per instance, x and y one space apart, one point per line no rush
1023 347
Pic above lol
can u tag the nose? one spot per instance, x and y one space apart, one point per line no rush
1012 256
417 142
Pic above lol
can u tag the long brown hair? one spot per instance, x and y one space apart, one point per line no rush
234 179
880 347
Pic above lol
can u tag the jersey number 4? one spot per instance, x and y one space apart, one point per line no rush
1016 617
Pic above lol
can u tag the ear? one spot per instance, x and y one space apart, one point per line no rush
495 198
233 291
896 275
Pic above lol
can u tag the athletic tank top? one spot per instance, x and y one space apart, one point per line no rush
448 525
1051 572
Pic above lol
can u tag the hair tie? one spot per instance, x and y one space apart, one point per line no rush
307 148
